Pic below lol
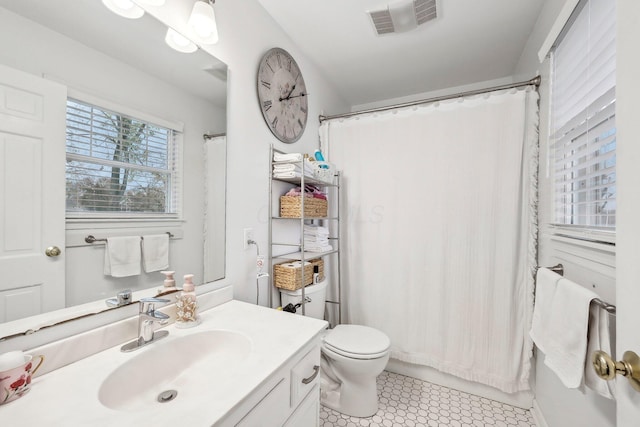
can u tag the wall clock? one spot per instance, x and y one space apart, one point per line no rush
282 95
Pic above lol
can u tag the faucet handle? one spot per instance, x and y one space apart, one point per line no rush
147 304
122 298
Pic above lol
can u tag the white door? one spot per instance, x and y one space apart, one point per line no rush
32 194
628 214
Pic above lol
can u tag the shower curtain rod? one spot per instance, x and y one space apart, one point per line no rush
534 81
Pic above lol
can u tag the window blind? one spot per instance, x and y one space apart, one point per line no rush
583 126
119 164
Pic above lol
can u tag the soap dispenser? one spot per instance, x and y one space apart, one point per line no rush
186 305
169 282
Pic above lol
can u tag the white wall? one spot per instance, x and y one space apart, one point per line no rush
246 32
590 266
93 73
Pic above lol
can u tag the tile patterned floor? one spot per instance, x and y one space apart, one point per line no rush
408 402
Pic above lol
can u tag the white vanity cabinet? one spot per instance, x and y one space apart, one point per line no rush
289 397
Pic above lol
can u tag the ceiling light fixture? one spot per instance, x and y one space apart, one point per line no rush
152 2
203 21
124 8
179 42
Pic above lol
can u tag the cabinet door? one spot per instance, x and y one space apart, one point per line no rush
308 413
305 375
271 410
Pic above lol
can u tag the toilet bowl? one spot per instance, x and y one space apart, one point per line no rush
352 358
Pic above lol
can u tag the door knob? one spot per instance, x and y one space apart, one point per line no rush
606 368
52 251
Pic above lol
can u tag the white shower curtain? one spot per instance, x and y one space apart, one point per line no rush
439 231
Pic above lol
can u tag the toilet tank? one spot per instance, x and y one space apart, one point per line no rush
317 293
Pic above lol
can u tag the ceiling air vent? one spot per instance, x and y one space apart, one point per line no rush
403 16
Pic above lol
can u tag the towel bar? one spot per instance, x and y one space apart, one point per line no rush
91 239
609 308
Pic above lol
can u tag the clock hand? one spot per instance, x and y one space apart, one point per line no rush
297 96
289 94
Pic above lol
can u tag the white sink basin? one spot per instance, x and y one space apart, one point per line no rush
187 365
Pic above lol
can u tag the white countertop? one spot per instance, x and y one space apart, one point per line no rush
69 396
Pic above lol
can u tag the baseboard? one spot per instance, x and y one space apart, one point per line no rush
536 413
522 399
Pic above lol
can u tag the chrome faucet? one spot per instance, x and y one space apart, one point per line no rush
147 317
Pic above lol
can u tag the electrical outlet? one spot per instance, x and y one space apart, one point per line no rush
248 235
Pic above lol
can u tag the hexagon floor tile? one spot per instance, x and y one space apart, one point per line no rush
408 402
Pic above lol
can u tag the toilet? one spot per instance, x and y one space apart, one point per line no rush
352 358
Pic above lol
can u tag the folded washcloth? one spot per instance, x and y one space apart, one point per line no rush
122 256
599 339
287 157
155 252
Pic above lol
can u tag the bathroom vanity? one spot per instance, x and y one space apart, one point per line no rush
244 365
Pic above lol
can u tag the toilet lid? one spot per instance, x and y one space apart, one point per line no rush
357 340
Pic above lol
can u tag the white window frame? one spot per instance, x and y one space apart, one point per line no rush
582 235
79 220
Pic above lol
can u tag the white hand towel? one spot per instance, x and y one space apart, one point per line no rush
286 167
155 252
546 281
599 339
287 157
286 174
565 345
122 256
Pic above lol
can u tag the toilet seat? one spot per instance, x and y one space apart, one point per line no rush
357 342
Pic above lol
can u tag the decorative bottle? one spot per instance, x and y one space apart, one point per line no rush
187 304
169 282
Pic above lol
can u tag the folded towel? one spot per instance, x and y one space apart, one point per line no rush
155 252
122 256
286 167
315 231
599 339
291 174
318 248
287 157
564 339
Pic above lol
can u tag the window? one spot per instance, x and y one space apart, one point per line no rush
118 165
583 124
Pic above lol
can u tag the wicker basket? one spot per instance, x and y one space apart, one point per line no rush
289 278
290 207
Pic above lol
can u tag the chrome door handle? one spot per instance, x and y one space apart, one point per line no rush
606 368
52 251
313 376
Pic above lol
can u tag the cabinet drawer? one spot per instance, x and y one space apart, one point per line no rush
304 375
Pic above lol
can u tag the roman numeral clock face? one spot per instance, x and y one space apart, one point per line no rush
282 95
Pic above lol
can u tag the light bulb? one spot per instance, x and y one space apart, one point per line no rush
179 42
203 22
124 8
